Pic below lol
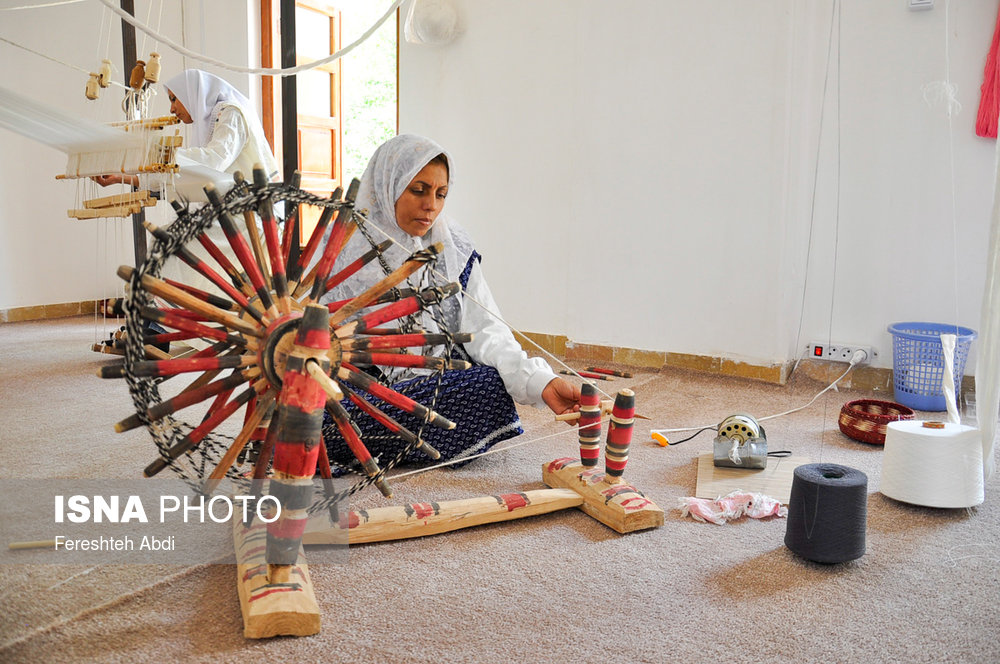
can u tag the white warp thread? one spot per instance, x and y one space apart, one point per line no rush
53 127
948 380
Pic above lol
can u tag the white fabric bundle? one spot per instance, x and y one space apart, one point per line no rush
430 22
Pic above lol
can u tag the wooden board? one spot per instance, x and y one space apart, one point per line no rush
774 481
281 606
619 506
381 524
105 212
141 197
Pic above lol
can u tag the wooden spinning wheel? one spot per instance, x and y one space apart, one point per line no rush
286 357
289 358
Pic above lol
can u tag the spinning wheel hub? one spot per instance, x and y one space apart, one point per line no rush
278 343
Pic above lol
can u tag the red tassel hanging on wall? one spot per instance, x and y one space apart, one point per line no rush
986 120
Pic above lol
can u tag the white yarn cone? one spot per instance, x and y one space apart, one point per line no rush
934 467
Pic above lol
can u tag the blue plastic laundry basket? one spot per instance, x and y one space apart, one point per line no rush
918 362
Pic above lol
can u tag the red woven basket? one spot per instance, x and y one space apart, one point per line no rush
865 419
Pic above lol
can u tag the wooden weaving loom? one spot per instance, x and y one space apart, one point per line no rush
288 359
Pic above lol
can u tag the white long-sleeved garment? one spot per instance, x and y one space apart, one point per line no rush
228 139
494 344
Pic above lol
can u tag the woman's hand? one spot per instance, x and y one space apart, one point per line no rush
562 397
114 178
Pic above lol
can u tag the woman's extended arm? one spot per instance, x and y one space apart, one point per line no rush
529 380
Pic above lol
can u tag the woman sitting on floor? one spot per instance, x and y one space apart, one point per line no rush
404 189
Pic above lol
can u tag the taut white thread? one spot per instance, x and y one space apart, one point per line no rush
259 71
39 6
50 58
495 315
494 450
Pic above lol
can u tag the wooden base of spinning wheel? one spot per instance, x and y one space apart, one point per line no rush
620 506
274 602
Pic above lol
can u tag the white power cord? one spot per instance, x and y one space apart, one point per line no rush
859 356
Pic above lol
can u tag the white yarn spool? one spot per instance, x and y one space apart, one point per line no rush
934 467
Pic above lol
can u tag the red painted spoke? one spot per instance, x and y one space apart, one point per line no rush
362 380
168 319
338 237
404 360
160 368
391 424
195 395
291 220
403 341
295 272
354 442
352 269
273 242
242 251
202 268
190 441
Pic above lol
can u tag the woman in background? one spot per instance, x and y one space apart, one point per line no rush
226 134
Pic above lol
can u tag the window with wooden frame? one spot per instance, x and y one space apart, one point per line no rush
318 95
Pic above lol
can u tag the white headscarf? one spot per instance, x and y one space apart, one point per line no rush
202 94
390 171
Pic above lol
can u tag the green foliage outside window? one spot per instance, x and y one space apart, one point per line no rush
368 101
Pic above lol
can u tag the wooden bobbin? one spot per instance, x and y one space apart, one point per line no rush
93 87
619 436
152 73
138 77
590 425
104 73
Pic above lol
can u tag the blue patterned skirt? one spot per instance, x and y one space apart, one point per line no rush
474 399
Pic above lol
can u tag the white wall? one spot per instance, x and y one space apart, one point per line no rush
658 155
46 258
658 158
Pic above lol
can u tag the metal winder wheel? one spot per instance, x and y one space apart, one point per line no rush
270 357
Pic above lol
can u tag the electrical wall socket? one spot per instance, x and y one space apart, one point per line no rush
840 352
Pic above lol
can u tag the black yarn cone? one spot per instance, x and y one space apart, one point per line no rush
827 513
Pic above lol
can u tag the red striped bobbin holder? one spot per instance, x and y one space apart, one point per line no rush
300 424
590 425
619 436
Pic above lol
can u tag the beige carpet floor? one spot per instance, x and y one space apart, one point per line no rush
554 588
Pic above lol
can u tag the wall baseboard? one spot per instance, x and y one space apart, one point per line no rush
47 311
873 379
568 349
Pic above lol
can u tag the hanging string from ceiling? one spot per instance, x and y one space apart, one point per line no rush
257 71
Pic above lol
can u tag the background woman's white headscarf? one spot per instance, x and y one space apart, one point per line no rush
390 170
202 93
